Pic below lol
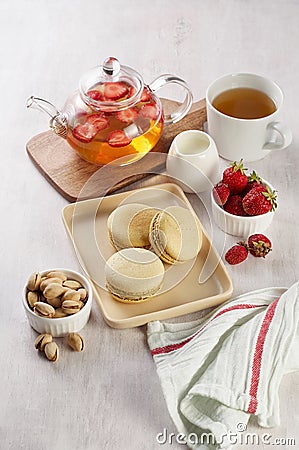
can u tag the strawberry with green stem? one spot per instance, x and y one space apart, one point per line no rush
235 178
253 180
259 200
259 245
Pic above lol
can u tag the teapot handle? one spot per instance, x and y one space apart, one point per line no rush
184 107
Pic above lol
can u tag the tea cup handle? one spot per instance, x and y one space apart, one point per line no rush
282 136
184 107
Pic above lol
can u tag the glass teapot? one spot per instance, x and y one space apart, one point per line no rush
113 114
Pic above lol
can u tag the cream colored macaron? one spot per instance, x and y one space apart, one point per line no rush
128 225
175 235
134 275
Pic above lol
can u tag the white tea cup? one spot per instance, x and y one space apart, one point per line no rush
250 139
193 161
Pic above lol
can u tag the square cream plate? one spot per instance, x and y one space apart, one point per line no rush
189 287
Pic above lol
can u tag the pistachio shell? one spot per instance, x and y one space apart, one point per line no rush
48 281
42 298
72 284
83 294
42 340
53 290
70 307
34 281
52 351
57 274
55 302
70 294
75 341
32 298
43 309
59 313
81 304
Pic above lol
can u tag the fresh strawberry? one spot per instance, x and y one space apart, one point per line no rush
235 178
115 90
150 111
259 245
237 254
95 95
259 200
128 115
234 206
146 95
221 193
98 120
85 132
252 181
118 138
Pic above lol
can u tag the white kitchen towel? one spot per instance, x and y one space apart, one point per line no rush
217 371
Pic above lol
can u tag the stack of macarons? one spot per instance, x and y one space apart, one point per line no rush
143 236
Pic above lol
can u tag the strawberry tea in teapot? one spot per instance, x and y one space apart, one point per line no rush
113 114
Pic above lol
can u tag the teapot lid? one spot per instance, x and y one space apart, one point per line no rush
111 86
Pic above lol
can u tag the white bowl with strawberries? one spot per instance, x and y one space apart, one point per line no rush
243 204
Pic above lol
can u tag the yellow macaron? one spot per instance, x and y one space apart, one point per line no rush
175 234
134 275
128 225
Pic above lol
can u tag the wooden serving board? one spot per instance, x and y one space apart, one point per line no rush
76 179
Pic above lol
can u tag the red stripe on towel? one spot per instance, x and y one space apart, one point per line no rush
171 347
257 358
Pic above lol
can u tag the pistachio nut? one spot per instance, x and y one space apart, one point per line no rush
72 284
81 304
32 298
70 307
53 290
70 294
83 294
55 302
34 281
57 274
52 351
42 340
75 341
59 313
42 298
48 281
43 309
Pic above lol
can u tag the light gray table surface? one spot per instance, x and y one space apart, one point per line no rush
109 396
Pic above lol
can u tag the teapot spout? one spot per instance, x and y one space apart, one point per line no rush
58 121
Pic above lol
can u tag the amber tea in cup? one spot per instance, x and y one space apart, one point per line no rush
243 114
244 103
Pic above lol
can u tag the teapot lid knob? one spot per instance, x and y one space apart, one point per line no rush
111 66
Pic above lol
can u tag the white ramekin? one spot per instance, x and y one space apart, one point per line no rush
63 325
239 225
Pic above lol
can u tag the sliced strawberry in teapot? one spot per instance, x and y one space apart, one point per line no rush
150 111
128 115
99 120
86 132
95 94
146 95
132 91
118 138
114 90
